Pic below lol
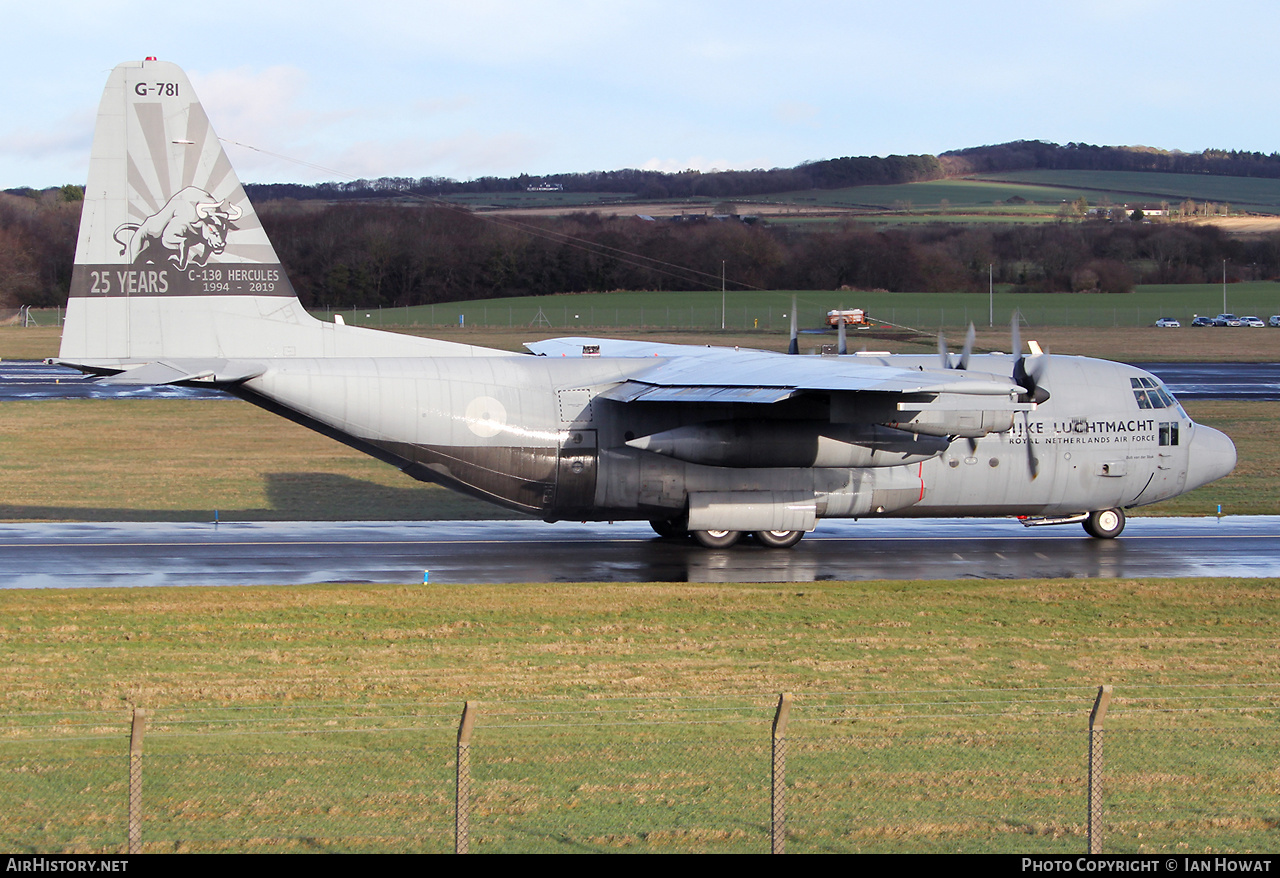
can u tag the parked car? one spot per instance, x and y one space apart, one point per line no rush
1226 320
1168 323
1274 321
1251 321
1202 321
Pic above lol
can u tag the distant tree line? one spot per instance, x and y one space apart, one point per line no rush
406 252
361 255
38 245
827 174
1036 154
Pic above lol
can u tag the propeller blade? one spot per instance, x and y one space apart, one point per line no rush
843 338
794 347
942 351
969 339
1033 465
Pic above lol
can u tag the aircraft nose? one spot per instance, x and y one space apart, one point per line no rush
1212 456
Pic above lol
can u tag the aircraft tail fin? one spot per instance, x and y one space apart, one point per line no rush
171 259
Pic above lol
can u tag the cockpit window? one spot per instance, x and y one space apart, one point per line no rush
1150 395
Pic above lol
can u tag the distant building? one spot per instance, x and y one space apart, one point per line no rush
546 187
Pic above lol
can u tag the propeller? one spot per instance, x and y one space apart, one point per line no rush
963 364
794 347
964 353
1029 374
842 337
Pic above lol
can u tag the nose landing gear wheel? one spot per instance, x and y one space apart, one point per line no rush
779 539
717 539
1105 524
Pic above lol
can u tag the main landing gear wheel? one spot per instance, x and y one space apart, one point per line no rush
779 539
669 528
1105 524
717 539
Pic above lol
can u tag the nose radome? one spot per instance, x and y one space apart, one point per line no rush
1212 456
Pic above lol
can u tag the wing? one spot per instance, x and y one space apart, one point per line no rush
934 401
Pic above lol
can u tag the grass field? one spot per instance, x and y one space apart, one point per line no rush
108 649
929 716
1043 192
180 460
1256 194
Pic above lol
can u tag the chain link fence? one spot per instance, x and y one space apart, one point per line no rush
972 771
556 317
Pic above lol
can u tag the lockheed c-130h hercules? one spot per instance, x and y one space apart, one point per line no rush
175 282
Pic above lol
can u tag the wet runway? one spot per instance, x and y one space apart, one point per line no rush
24 379
1255 381
118 555
27 379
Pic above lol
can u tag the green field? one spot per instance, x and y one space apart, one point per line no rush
986 198
928 716
962 196
508 200
1255 194
768 310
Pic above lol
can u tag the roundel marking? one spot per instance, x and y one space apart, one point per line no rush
486 416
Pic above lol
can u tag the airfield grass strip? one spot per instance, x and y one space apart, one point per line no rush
930 716
106 649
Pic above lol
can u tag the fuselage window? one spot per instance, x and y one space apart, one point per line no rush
1169 433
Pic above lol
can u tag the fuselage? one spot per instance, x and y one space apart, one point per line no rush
538 435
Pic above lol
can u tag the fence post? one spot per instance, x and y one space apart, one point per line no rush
134 844
778 797
1096 717
462 807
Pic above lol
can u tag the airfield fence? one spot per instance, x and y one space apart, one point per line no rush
985 770
559 318
737 318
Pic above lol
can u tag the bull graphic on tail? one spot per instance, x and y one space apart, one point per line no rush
191 227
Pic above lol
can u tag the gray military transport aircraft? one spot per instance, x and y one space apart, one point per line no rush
175 282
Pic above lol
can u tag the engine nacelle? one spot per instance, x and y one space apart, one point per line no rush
756 444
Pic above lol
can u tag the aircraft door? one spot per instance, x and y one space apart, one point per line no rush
576 471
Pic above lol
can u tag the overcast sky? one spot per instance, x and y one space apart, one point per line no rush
492 87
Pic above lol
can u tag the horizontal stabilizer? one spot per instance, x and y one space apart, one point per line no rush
180 371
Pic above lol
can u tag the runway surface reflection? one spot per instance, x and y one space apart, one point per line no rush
117 555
